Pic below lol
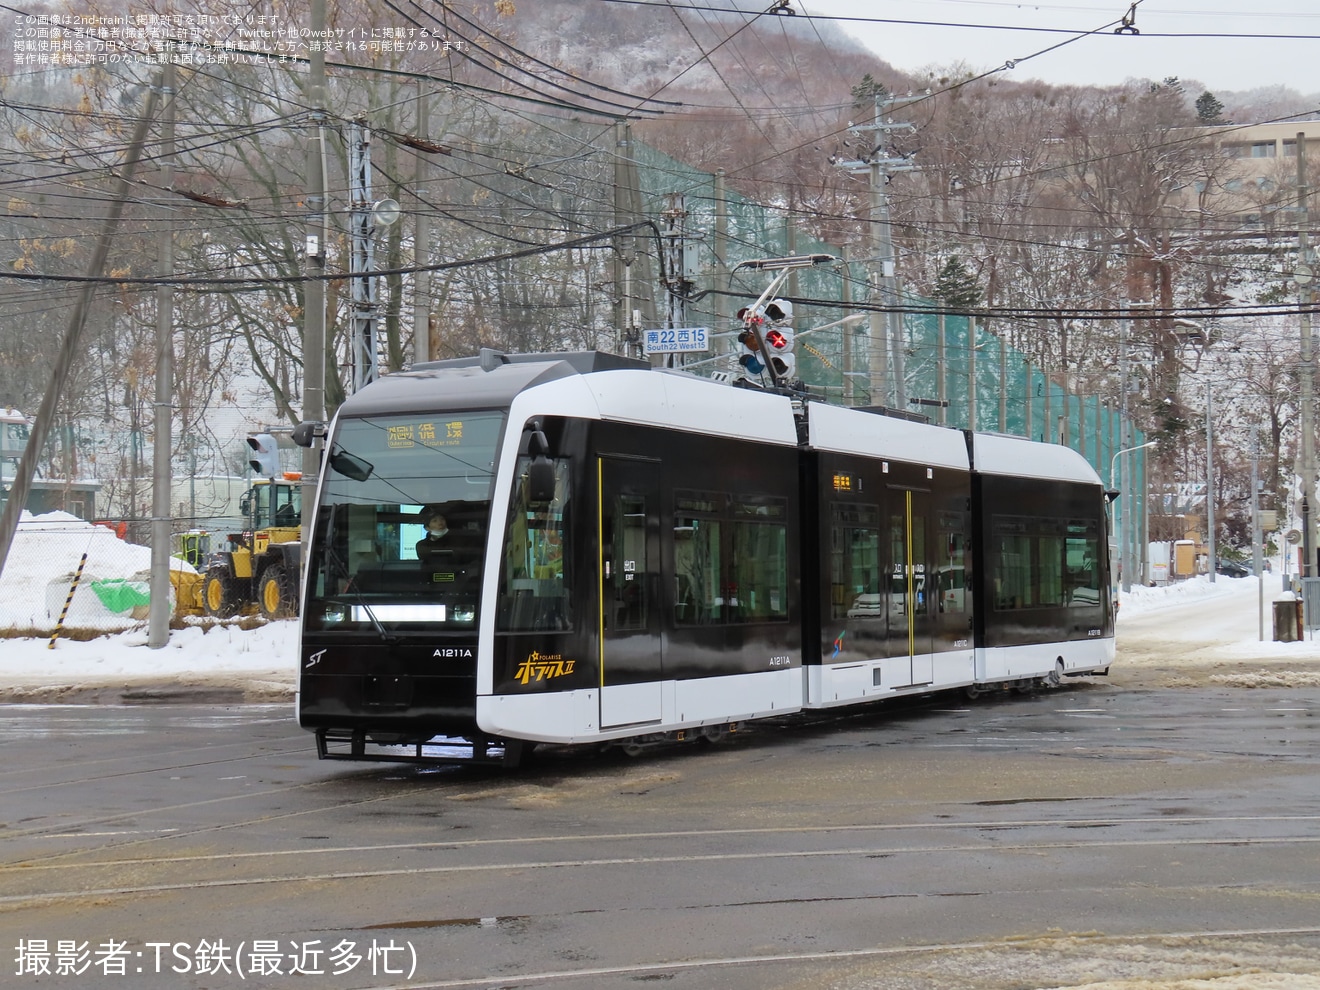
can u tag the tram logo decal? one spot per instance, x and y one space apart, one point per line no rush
543 667
315 658
838 645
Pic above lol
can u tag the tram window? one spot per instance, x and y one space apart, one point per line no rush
730 558
1044 562
626 578
534 578
696 570
758 588
758 581
1081 562
952 566
855 561
1050 561
1010 563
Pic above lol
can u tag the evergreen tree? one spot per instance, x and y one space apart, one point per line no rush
1209 110
956 286
865 92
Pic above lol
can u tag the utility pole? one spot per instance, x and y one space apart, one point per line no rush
886 327
363 352
316 236
422 239
721 250
158 612
1003 385
1210 483
1257 541
678 287
943 393
845 295
625 245
1307 368
1028 428
1125 499
971 372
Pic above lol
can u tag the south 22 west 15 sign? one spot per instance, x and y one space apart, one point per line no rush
676 341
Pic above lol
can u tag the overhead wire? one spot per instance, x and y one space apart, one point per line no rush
450 11
531 205
1022 28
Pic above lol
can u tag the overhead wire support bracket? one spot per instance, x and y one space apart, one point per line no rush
779 264
1129 25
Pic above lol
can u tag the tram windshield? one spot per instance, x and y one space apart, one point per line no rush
402 524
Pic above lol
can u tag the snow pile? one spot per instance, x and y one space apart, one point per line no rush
112 591
1196 633
1144 599
260 662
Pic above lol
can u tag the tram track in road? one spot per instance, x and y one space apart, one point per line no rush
195 866
148 771
101 767
796 856
682 835
404 788
70 830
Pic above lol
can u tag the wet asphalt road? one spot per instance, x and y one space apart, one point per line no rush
1043 840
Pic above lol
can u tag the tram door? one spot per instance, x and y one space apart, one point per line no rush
911 582
631 663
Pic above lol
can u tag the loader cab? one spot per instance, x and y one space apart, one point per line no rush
259 568
272 504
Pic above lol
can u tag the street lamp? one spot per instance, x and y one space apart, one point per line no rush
1123 550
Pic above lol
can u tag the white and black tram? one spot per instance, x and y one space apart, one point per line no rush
628 554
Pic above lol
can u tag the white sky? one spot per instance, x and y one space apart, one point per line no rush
1234 64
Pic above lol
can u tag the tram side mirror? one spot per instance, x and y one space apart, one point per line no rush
541 471
541 480
350 465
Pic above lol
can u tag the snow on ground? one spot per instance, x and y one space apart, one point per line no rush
1198 632
256 664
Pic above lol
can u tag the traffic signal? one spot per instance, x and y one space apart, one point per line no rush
265 457
778 337
751 359
779 342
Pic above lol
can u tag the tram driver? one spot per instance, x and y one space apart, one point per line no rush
446 545
436 543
